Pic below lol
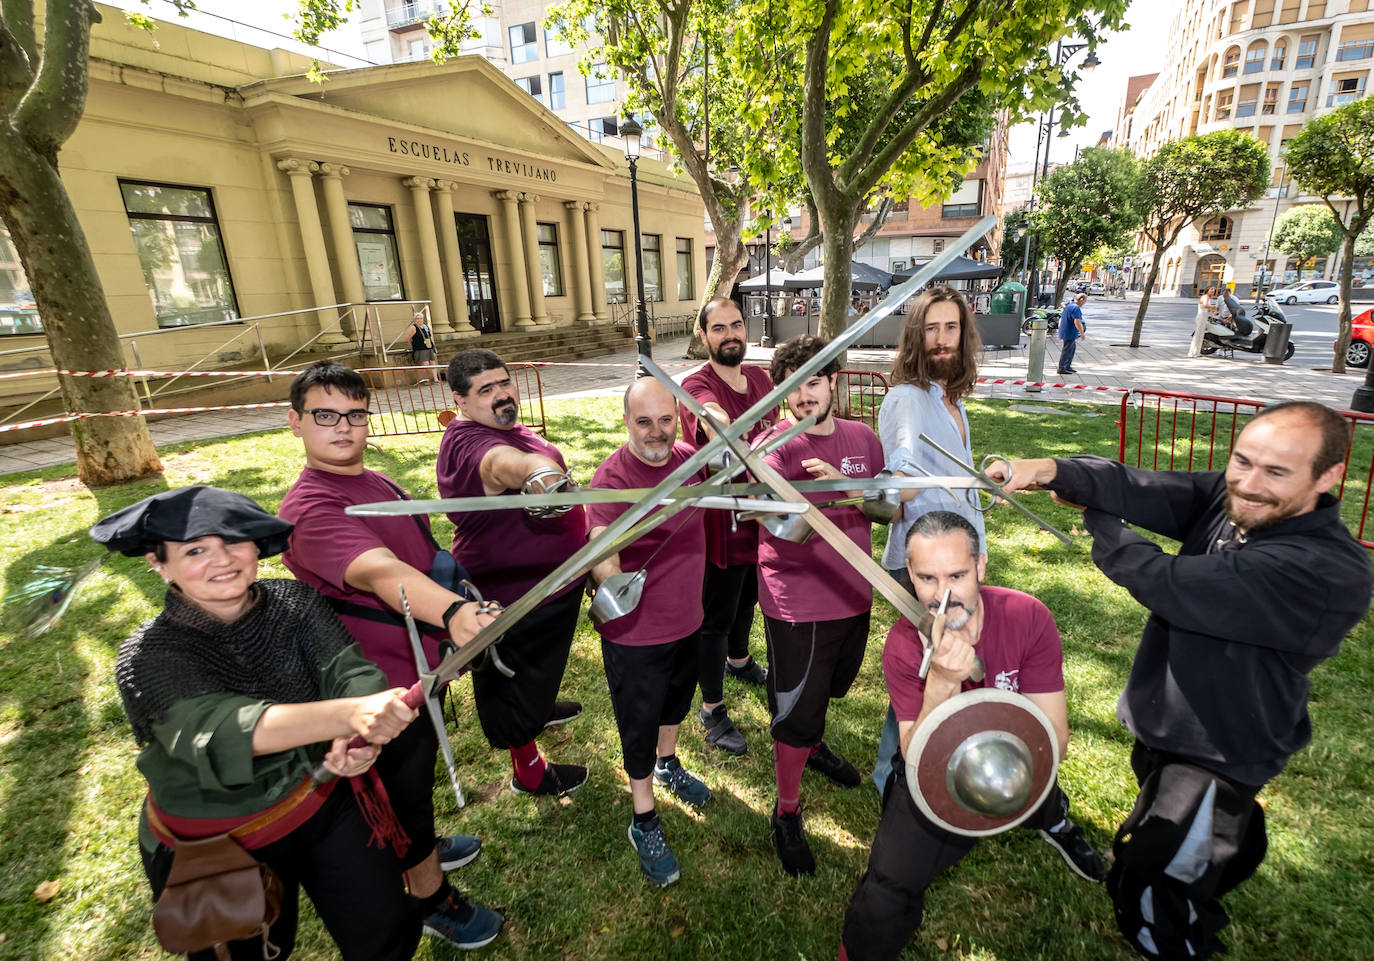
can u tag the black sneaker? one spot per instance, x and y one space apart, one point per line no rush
457 850
721 731
464 924
1077 852
790 841
749 672
559 779
833 766
563 712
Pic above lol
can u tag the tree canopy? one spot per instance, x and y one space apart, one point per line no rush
1087 205
1307 231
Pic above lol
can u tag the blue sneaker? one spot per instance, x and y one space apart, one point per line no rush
655 858
464 924
683 785
457 850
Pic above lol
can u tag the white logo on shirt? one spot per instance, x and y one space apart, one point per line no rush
854 465
1008 681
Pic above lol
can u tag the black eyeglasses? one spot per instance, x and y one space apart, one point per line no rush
328 418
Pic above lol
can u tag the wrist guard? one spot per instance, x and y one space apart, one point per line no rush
546 480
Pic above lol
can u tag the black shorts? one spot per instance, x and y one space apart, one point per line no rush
651 687
406 767
512 710
808 664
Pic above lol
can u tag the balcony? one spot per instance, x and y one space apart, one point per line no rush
404 15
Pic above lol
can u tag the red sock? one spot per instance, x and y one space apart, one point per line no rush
788 764
844 955
529 766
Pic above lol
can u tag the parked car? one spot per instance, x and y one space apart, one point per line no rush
1097 289
1307 292
1361 339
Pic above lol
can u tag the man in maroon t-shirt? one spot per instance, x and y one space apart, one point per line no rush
650 654
727 387
815 604
1016 638
357 563
487 451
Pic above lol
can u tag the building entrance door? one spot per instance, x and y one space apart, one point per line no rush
1210 270
479 278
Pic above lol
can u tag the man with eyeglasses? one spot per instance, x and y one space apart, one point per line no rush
486 451
358 563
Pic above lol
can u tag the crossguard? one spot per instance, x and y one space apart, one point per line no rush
485 606
547 480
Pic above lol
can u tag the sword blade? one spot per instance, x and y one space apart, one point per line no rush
432 707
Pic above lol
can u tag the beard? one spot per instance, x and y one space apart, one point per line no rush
822 412
505 413
730 353
956 614
1247 520
945 367
655 455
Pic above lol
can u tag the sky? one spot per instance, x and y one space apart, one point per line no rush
1138 50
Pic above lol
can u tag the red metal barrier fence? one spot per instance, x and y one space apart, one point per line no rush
866 389
1173 430
414 400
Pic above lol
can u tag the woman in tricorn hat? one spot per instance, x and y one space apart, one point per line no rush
236 691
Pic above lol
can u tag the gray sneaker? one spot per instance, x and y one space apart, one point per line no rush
656 859
683 785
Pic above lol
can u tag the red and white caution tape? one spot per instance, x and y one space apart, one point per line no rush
1042 383
67 418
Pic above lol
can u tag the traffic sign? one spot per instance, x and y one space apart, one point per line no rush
1127 262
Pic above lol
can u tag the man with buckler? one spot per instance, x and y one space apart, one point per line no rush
1017 640
1266 583
357 563
815 605
486 451
727 387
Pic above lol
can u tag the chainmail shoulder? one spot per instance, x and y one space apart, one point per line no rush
273 652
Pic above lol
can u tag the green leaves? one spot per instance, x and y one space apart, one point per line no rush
1308 231
1333 156
1200 175
1089 204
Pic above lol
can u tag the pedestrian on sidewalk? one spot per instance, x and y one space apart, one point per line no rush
1071 331
1206 307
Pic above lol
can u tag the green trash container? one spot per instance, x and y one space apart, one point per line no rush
1007 299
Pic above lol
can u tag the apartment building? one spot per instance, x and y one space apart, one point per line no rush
1265 67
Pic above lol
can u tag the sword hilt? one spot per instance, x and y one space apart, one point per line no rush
414 698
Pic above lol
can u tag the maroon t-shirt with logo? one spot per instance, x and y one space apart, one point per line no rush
326 540
670 607
1019 645
728 542
505 551
811 582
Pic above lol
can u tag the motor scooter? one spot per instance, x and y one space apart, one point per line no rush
1248 335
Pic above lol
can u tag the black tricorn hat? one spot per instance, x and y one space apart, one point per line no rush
186 513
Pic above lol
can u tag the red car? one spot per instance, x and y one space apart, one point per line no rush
1361 339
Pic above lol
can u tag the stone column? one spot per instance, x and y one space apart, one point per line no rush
453 258
429 252
581 279
341 237
312 241
539 311
598 271
515 290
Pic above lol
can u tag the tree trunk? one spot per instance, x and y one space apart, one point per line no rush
76 318
730 257
1347 284
839 260
1145 294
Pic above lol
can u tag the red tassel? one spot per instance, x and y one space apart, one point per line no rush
378 813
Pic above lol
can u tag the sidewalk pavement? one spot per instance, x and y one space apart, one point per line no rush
1103 360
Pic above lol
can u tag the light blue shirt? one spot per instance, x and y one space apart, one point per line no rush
905 414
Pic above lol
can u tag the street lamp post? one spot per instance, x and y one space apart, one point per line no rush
766 340
632 131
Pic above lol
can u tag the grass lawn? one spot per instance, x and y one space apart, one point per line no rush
563 873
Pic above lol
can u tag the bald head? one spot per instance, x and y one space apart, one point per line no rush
650 421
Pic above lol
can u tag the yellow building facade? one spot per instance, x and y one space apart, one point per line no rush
216 182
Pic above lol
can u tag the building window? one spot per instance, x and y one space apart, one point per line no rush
1355 50
375 239
534 86
600 85
1280 53
613 264
937 246
557 96
600 128
1224 104
1307 53
1271 99
1231 64
651 246
1297 98
1345 90
554 45
1218 228
1246 107
550 267
178 241
686 287
1288 13
18 315
964 202
1316 9
1254 58
524 43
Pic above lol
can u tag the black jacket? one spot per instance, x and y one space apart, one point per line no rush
1220 676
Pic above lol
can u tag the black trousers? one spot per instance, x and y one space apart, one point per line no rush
406 767
808 665
909 852
651 687
356 888
513 710
728 598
